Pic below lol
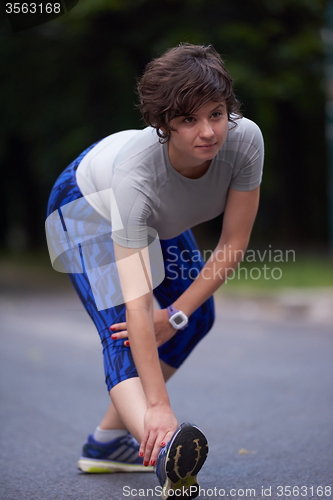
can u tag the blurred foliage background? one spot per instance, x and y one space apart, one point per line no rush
70 82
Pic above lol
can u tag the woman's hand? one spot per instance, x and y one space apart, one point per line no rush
163 329
160 424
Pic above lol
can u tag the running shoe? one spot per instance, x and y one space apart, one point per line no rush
179 462
119 455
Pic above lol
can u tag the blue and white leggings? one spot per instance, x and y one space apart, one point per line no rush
179 274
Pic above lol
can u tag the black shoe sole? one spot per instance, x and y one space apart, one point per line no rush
186 456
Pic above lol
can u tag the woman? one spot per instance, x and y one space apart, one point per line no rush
196 159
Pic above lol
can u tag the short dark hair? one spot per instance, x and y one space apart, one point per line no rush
182 80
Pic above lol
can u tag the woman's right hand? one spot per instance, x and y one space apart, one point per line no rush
163 329
160 424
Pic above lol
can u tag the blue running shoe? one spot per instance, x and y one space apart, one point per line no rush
179 462
119 455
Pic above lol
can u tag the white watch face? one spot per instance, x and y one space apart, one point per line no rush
178 320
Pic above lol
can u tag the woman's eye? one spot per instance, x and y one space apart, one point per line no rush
189 119
216 114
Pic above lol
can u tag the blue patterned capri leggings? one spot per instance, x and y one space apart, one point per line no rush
180 270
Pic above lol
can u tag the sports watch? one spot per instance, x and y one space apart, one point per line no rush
177 319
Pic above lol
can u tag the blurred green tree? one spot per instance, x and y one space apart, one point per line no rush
70 82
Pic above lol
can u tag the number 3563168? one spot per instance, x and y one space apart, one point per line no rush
295 491
33 8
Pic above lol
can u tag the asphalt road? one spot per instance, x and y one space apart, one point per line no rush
260 388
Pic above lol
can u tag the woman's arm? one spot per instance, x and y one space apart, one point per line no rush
239 216
134 274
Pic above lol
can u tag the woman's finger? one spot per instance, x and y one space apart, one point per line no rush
149 453
119 335
118 326
167 438
142 448
118 331
159 443
155 451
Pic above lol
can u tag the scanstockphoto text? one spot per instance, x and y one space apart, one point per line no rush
265 491
227 263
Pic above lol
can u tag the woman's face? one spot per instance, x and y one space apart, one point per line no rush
197 138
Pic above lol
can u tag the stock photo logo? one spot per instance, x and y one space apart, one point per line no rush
80 240
23 15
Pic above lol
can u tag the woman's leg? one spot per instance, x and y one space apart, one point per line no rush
129 398
112 420
68 213
183 262
121 375
130 401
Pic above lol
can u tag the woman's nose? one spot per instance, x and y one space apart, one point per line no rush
206 130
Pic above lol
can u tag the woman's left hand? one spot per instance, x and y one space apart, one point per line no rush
163 329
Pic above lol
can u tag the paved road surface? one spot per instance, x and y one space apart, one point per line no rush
255 384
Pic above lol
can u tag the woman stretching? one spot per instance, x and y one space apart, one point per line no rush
119 225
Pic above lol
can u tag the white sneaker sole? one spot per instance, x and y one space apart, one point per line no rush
105 467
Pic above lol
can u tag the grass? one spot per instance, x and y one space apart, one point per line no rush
34 271
30 272
305 272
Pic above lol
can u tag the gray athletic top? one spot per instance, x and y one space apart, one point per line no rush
138 187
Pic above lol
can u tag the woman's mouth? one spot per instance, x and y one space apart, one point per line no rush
207 146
